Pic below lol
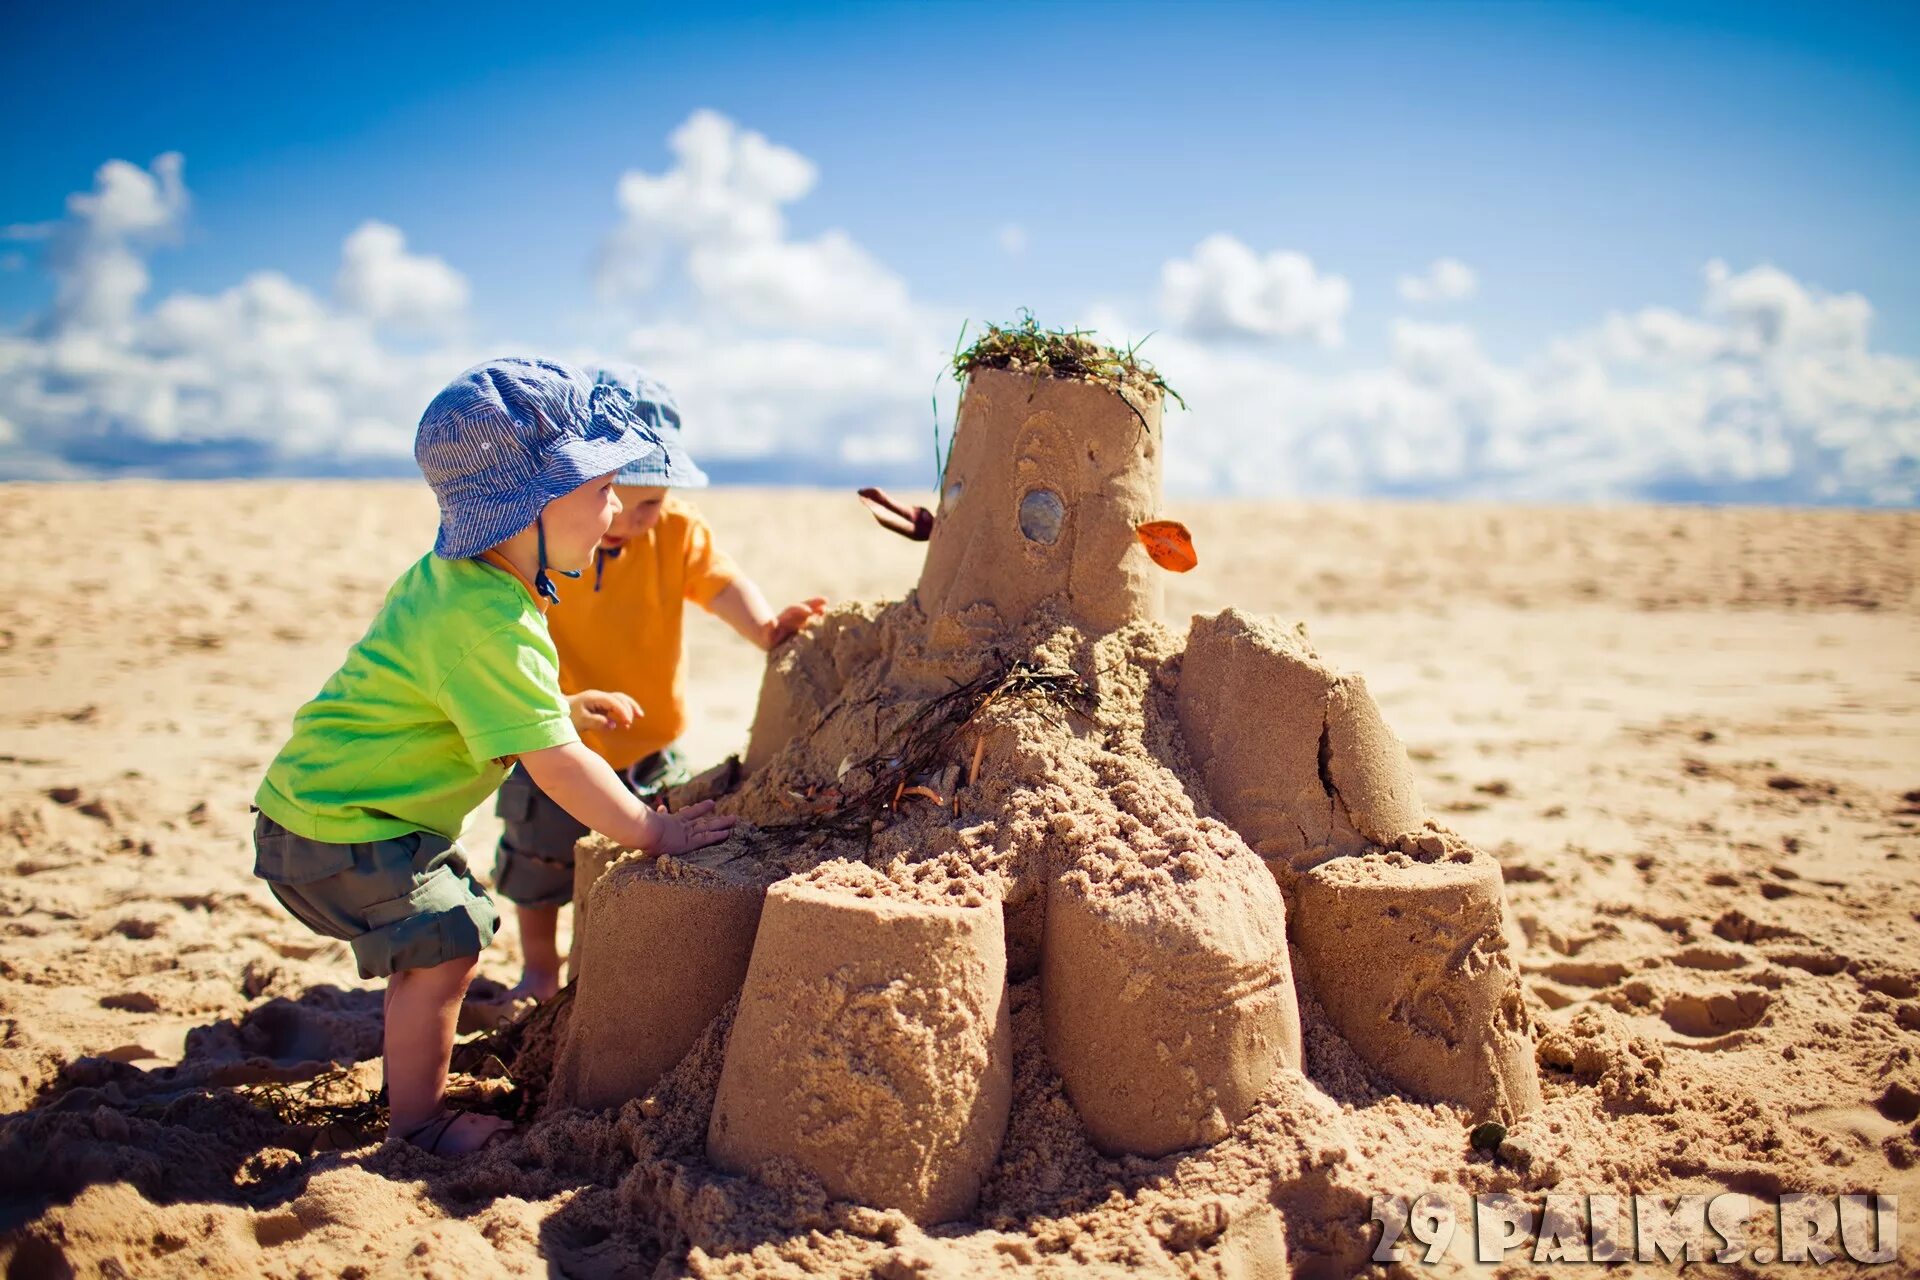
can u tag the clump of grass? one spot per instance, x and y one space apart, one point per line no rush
1024 347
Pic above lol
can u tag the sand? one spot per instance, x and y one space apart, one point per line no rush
1687 737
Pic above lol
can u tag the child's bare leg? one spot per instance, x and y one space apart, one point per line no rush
422 1006
540 949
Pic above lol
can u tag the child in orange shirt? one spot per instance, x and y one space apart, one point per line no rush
619 638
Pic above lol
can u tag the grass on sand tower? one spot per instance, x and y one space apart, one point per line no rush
1024 347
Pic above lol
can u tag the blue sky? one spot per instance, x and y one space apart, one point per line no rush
1582 160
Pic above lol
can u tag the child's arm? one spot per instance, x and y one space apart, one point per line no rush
586 786
741 606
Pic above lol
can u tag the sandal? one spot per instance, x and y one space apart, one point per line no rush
431 1132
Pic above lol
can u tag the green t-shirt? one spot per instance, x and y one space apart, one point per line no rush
456 672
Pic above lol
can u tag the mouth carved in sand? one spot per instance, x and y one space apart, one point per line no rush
1143 848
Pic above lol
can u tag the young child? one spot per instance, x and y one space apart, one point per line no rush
456 679
619 636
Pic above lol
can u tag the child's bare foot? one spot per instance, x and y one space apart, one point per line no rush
534 984
488 1006
453 1133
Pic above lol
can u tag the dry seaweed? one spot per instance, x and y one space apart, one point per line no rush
924 743
334 1100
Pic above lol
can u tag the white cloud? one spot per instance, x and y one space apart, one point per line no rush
1445 280
1770 391
379 279
783 360
1768 388
799 358
814 404
716 218
260 375
95 252
1012 239
1226 289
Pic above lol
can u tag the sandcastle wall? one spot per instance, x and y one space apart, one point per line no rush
663 945
1400 926
592 855
1167 1014
1410 961
806 674
1293 754
872 1047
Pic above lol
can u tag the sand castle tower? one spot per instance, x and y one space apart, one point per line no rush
1020 772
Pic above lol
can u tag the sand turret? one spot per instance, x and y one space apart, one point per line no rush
871 1046
1046 482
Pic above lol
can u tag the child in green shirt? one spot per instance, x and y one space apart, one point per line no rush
454 681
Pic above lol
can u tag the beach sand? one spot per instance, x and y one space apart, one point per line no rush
1689 736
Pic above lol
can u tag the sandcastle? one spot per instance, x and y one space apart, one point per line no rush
1020 770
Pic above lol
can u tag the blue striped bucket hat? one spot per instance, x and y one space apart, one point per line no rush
507 437
656 407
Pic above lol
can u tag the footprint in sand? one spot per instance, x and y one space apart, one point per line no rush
1712 959
1901 986
130 1002
1587 973
1738 926
1704 1016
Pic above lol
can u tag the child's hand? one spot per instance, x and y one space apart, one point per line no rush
597 709
787 623
694 827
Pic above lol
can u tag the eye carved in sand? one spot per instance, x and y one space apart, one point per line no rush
1041 515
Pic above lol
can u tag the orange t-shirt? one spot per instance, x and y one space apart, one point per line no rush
625 637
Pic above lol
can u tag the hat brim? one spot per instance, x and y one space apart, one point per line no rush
672 470
571 463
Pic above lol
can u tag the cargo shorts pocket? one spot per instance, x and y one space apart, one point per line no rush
515 801
281 857
444 916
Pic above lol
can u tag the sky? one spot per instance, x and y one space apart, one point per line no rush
1516 252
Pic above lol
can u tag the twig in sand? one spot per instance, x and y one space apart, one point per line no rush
926 740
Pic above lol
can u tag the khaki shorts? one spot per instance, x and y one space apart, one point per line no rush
404 903
534 867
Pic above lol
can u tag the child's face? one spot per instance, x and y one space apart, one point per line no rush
575 523
640 507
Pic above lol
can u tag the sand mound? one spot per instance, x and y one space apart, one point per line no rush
1052 771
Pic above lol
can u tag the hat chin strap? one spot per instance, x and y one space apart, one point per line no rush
541 582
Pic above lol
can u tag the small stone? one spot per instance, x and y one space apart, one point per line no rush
1488 1136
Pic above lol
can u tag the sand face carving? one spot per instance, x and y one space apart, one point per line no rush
1016 770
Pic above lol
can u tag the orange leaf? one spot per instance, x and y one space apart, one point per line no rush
1169 544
